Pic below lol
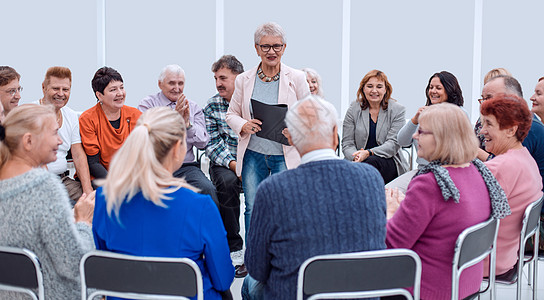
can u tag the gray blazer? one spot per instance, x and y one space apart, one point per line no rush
390 121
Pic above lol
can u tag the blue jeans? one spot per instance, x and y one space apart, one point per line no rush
256 168
252 289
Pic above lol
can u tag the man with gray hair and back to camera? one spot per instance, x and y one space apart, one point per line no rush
172 82
326 205
221 151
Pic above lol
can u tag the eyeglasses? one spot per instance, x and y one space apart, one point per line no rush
481 100
275 47
12 92
422 132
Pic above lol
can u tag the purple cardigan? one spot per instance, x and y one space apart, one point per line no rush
430 226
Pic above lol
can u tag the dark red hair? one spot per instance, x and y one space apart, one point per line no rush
510 111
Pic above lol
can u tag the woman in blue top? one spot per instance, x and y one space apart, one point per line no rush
141 209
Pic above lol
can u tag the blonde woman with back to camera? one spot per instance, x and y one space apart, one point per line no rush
146 211
34 205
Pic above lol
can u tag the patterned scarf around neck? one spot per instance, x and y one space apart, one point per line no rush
499 204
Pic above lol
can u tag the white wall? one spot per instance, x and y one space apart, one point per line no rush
408 40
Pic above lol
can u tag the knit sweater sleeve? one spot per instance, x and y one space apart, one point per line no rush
257 256
64 240
416 211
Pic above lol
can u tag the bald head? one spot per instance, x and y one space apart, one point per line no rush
312 125
502 84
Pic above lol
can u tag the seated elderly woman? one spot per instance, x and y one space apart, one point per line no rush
314 82
178 221
506 120
451 193
34 207
371 125
105 126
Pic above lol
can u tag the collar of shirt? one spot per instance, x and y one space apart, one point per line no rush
165 101
316 155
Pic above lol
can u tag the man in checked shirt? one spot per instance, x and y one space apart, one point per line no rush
221 150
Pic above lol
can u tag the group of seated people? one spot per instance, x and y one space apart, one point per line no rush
139 189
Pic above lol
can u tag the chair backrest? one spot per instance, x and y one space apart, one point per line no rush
360 275
530 222
20 271
473 245
137 277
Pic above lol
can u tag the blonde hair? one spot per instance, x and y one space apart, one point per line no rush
496 72
137 165
455 140
20 120
313 74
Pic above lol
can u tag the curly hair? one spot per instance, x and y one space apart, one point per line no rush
510 111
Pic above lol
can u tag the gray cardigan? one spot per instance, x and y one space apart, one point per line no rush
35 214
390 121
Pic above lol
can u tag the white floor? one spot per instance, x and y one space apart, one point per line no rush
504 292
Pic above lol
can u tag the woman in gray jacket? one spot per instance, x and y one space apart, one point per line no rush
34 205
371 126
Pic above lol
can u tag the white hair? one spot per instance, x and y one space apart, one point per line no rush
174 69
313 74
311 121
270 29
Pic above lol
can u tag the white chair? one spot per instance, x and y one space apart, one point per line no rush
360 275
137 277
20 271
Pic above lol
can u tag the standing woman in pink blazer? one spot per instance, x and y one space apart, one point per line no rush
270 82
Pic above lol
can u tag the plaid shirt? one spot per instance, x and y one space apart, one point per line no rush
221 148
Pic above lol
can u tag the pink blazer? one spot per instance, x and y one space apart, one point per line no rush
293 87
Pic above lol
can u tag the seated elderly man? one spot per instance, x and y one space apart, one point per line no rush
172 83
56 92
313 209
10 90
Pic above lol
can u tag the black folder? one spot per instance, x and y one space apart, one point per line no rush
273 118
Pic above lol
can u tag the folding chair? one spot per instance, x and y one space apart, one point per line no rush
137 277
360 275
20 271
530 227
473 245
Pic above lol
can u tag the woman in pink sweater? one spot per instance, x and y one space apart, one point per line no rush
453 192
506 120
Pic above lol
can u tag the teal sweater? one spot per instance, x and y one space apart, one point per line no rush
322 207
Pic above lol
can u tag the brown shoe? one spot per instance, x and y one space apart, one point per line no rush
240 271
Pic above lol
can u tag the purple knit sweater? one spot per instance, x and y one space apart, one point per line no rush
430 226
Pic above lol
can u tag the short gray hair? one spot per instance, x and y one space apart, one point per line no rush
271 29
511 84
175 69
313 73
313 124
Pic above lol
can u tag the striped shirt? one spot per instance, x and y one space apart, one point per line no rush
221 148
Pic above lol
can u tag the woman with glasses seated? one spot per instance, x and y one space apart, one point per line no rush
451 193
270 82
145 211
442 87
371 125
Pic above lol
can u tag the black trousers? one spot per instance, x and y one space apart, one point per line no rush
228 188
386 167
194 176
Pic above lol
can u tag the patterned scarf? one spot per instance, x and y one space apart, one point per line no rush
499 204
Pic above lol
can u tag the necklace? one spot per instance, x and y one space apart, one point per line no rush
265 78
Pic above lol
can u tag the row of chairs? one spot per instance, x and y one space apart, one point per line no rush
335 276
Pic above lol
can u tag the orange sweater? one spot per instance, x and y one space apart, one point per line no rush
98 136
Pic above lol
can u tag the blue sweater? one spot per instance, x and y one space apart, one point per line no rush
189 227
534 142
321 207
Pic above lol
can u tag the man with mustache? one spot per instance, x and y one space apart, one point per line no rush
172 82
221 151
56 89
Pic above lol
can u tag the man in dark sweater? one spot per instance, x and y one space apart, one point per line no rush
326 205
